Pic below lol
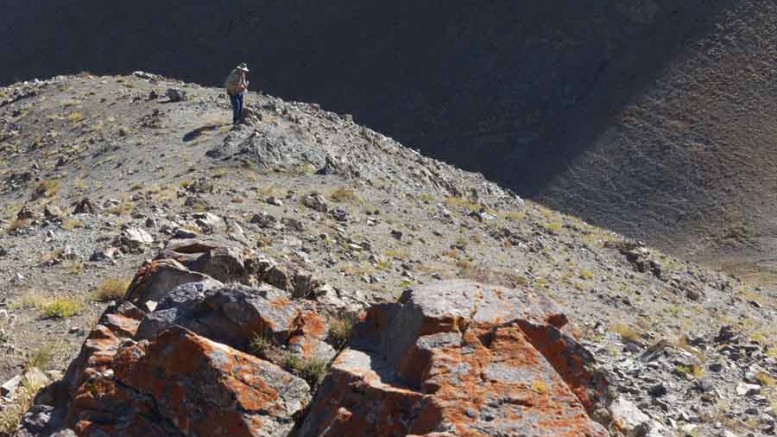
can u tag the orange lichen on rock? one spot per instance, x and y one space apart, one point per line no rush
452 359
192 385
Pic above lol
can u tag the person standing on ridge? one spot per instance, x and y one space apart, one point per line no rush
236 85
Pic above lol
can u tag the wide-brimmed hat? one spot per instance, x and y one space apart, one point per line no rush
243 67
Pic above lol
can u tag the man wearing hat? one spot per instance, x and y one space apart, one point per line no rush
236 85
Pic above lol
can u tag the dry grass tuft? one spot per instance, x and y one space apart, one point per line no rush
340 329
111 289
12 413
46 188
626 332
344 194
17 225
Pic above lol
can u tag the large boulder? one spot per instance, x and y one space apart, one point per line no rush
236 314
461 358
118 324
154 280
184 384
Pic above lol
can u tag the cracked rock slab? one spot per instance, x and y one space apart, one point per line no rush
464 359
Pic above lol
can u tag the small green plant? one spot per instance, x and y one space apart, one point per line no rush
426 197
75 117
587 275
111 289
553 227
260 343
312 370
406 283
62 308
340 329
398 254
42 357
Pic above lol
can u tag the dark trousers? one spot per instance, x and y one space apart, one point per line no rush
237 106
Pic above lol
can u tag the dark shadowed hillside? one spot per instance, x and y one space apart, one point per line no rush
652 117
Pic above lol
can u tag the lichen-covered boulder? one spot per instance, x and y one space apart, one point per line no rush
118 323
184 384
461 358
235 314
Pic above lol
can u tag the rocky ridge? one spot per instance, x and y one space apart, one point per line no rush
215 358
102 174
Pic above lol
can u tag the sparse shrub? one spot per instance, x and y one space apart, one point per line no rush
587 275
268 191
553 227
766 379
340 329
74 267
511 215
693 370
123 208
406 283
521 280
398 254
384 265
79 184
29 300
111 289
344 194
46 188
426 197
69 224
17 225
312 370
12 414
62 308
462 203
219 172
626 332
75 117
42 357
260 344
52 257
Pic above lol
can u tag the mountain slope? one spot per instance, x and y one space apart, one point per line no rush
649 117
365 215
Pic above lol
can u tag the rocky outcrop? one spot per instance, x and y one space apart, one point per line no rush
189 385
188 354
464 359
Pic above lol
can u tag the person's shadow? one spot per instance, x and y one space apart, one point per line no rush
196 133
